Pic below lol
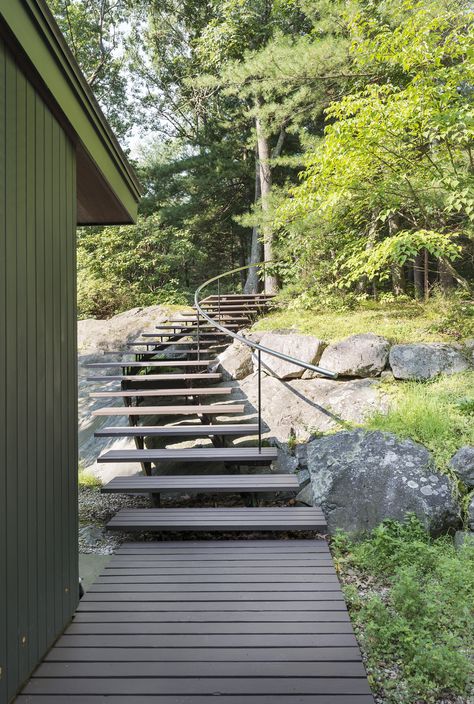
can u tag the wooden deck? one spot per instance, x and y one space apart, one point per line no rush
238 622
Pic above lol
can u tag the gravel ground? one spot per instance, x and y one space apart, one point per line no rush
96 509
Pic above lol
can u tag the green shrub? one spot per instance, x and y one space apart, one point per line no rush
417 620
437 414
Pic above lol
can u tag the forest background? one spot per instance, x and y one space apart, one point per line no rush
334 138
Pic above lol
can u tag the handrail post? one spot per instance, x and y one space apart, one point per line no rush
219 300
259 402
198 337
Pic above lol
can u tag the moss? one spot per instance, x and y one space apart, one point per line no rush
438 320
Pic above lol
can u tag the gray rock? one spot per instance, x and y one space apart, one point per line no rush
363 355
304 347
426 360
305 496
463 537
305 407
463 464
303 477
91 534
286 463
470 513
236 361
360 478
99 336
95 339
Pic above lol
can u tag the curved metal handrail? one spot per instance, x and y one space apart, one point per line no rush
246 341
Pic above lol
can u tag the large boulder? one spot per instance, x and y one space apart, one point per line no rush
95 339
360 478
363 355
470 514
236 361
98 336
463 464
301 407
425 360
304 347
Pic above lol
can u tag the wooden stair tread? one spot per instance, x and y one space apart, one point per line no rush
159 341
193 454
168 410
169 343
207 376
196 391
202 326
214 483
160 363
192 431
219 519
193 318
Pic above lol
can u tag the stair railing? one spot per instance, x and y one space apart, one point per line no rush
250 343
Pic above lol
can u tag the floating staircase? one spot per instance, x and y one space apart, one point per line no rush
246 621
140 382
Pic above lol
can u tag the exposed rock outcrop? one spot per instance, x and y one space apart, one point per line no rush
302 407
463 464
95 339
304 347
426 360
363 355
360 478
236 361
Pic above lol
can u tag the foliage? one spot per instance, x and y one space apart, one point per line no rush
127 266
94 30
87 479
377 261
416 618
394 172
335 315
373 99
434 413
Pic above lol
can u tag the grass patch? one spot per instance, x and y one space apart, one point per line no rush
415 620
88 479
439 414
439 320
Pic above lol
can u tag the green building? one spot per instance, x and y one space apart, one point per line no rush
60 166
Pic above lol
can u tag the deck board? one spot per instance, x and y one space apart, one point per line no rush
250 637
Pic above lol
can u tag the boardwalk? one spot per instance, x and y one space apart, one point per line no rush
239 622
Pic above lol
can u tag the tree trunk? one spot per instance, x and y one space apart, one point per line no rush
445 277
398 273
457 277
251 285
418 276
271 284
426 275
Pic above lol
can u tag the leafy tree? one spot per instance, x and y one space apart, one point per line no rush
277 59
142 264
94 30
392 180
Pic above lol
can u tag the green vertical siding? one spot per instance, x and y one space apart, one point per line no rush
38 426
